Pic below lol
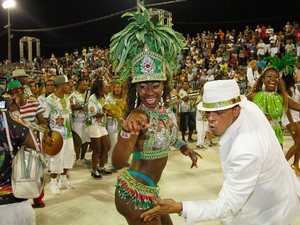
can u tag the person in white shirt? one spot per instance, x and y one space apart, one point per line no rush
252 74
259 186
261 47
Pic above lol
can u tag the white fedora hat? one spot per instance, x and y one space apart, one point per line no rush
18 73
220 95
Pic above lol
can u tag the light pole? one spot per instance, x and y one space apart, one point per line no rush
8 4
139 2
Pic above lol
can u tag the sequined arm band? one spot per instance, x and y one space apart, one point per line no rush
179 143
124 134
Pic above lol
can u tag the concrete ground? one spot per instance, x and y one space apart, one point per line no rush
92 201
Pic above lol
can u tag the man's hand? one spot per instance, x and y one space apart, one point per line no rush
162 207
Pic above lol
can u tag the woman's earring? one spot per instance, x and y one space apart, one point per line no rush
136 99
161 103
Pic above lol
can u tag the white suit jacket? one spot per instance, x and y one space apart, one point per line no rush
259 186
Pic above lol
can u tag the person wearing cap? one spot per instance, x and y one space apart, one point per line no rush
58 104
32 113
30 110
22 77
13 210
259 186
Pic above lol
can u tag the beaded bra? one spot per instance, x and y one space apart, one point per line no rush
270 103
157 144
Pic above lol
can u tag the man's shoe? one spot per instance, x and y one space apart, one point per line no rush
38 205
65 184
104 172
54 188
78 163
96 174
200 146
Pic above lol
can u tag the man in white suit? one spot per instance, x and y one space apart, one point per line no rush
259 186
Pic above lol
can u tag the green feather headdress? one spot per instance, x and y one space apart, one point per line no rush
285 65
145 50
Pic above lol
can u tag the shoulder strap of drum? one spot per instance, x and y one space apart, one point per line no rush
7 134
9 139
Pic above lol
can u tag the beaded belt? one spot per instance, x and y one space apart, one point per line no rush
142 196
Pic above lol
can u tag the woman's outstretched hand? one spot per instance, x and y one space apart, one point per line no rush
187 151
133 126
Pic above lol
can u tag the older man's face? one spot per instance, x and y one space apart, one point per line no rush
220 121
17 95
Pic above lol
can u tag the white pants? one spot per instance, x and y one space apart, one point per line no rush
113 140
201 127
64 159
20 213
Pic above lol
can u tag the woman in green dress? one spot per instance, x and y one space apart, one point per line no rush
270 94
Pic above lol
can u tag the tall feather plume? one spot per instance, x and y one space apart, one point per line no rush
285 65
130 41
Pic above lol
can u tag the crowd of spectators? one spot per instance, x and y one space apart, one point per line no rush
208 55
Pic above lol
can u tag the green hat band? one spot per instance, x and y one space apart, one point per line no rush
148 66
222 103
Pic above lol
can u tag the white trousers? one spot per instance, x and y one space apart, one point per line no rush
201 127
113 137
64 159
20 213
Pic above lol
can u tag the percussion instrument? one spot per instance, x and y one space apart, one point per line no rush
173 100
193 95
53 147
114 110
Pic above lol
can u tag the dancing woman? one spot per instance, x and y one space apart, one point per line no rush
270 93
147 131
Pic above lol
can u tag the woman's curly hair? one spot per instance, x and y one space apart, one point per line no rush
282 90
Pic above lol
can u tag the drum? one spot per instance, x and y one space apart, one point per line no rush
55 146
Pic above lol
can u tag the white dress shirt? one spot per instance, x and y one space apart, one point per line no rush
259 185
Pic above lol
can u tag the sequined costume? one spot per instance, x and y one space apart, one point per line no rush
271 103
157 145
142 196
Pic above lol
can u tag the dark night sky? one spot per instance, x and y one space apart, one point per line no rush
190 16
